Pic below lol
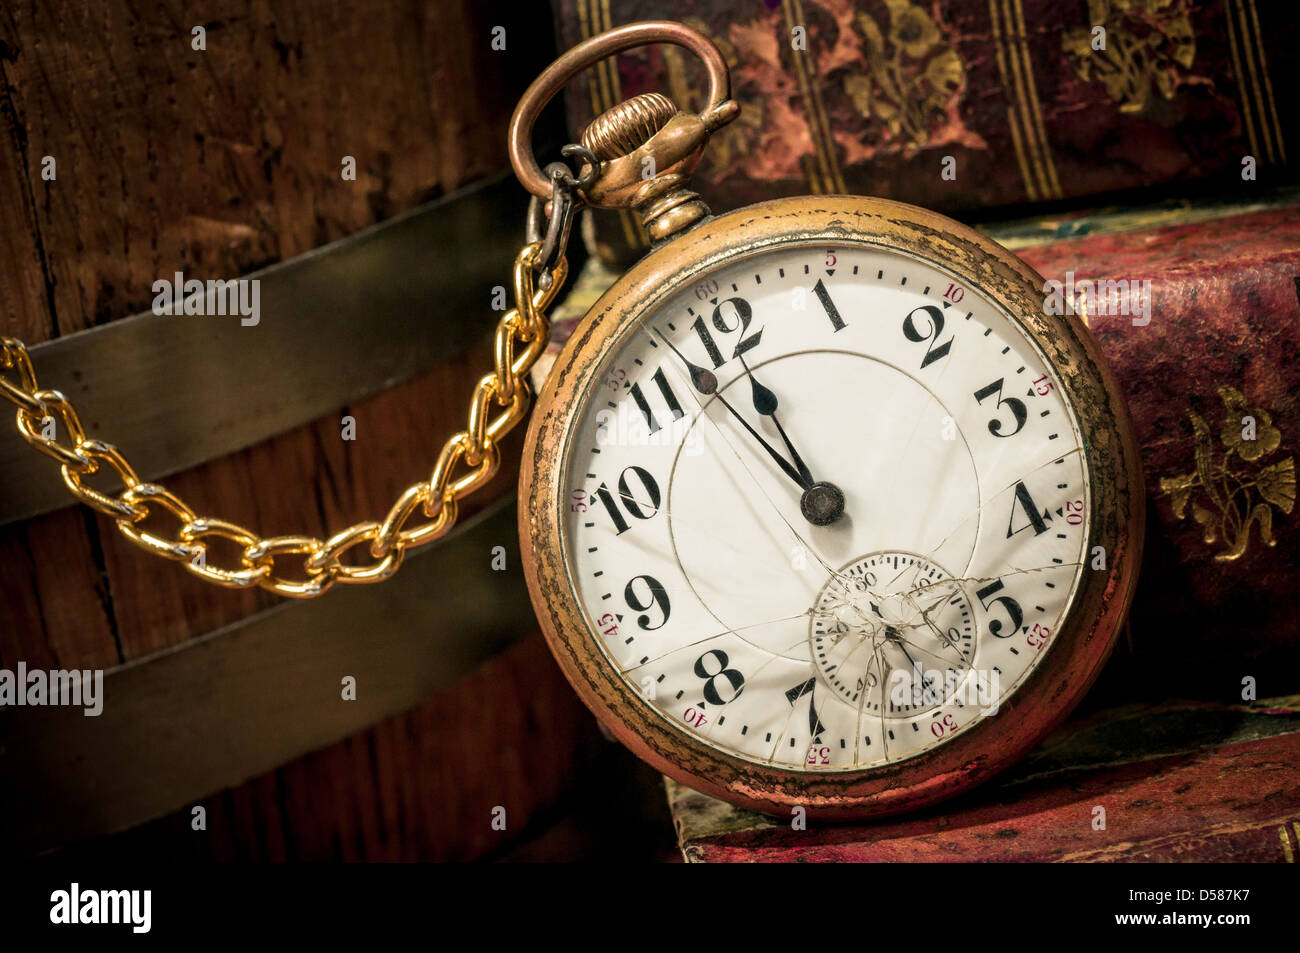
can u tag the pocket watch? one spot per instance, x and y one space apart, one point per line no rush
819 508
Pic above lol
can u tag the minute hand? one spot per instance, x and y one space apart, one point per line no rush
706 382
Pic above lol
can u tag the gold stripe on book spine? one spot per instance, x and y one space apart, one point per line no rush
1268 84
1246 109
1252 77
1033 107
824 177
1013 122
1030 145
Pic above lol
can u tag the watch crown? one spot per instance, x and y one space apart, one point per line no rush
628 126
646 150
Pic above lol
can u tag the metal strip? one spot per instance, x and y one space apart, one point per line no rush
341 322
241 701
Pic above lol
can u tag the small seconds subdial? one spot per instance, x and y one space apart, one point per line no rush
893 632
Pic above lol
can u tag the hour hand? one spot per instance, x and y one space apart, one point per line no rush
822 503
765 403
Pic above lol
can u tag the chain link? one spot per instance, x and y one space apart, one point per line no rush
501 400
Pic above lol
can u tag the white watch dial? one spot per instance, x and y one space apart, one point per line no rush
825 508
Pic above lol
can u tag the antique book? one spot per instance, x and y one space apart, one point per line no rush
961 105
1199 321
1181 782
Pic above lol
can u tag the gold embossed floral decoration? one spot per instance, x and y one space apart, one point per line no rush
912 78
1146 42
1233 487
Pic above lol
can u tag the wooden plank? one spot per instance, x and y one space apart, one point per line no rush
53 604
227 707
219 163
175 391
221 160
419 786
215 163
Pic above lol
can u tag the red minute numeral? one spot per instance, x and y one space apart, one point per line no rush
607 624
830 258
1046 387
694 718
579 504
819 755
944 725
1038 636
1074 512
954 293
708 289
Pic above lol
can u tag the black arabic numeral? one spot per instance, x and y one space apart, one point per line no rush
1026 503
934 350
809 688
658 597
1012 608
710 345
669 397
633 505
1017 408
743 316
734 679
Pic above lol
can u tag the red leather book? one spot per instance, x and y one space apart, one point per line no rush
1179 783
1211 379
873 96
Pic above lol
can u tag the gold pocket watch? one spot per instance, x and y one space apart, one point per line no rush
818 507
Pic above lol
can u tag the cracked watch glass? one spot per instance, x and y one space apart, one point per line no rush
825 507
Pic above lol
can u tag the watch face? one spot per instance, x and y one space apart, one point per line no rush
823 509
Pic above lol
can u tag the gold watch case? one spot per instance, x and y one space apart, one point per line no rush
1083 641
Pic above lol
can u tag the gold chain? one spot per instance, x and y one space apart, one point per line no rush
475 449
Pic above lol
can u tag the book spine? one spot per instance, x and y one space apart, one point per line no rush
962 105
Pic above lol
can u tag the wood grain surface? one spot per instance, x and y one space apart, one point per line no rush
214 163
